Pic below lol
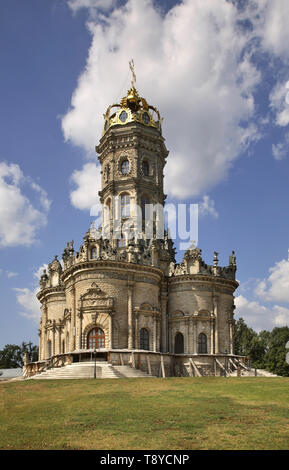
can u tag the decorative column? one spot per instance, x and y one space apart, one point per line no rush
186 339
215 306
136 338
73 320
129 314
212 336
45 345
164 321
80 317
59 329
110 329
53 337
190 335
45 335
155 333
195 336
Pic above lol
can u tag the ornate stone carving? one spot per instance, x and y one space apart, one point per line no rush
95 299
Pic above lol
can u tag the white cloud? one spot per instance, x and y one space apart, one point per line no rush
276 287
273 24
207 207
26 297
190 63
260 317
279 105
11 274
29 302
76 5
280 151
87 181
281 316
19 216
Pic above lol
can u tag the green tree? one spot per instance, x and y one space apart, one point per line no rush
243 338
251 344
12 355
275 359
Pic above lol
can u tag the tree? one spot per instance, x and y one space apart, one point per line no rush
245 340
276 355
12 355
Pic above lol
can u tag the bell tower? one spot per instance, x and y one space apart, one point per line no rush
132 155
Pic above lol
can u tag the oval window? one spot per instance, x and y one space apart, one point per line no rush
123 116
145 118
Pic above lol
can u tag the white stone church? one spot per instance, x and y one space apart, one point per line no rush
122 298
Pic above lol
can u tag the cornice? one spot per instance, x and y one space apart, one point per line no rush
203 279
50 291
108 265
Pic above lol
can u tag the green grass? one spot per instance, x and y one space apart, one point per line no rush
173 413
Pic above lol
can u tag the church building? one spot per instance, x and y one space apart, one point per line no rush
122 296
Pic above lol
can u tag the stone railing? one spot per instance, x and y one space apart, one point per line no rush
33 368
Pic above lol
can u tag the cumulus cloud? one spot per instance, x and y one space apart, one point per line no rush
194 65
29 302
276 287
273 26
261 317
26 297
269 308
279 103
87 182
20 216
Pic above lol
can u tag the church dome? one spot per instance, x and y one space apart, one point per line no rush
132 108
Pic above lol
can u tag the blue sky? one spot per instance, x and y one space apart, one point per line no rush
222 92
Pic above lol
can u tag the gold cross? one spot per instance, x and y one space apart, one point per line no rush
131 66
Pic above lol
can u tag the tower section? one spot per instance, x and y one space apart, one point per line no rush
132 155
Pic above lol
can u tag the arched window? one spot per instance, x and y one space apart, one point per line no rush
145 168
63 346
124 206
125 167
106 173
144 339
96 338
93 253
202 344
145 202
179 343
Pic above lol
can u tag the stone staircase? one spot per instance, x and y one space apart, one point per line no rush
85 370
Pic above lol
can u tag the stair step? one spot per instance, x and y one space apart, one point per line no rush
85 370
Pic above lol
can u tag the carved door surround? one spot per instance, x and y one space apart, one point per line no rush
95 302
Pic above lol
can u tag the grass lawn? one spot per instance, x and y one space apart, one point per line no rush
173 413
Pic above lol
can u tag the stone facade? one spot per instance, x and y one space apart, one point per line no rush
125 292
